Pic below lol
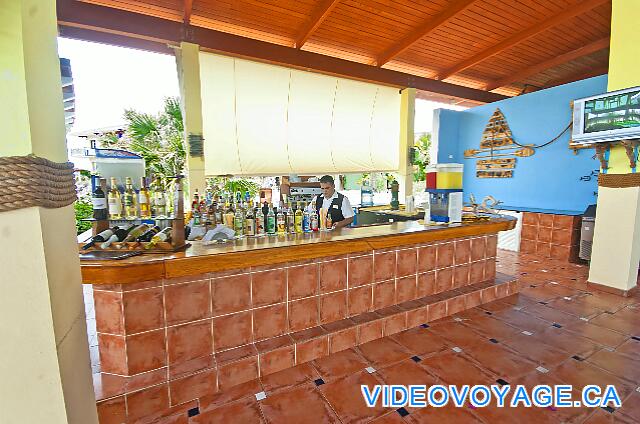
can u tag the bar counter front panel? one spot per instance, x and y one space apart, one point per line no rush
181 326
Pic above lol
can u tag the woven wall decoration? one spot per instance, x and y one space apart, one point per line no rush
619 180
27 181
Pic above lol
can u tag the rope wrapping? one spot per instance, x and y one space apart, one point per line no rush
27 181
619 180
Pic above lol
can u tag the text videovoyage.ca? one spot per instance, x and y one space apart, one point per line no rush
480 396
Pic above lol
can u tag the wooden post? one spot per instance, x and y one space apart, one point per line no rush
177 225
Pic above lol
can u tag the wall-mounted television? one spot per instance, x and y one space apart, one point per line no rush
607 117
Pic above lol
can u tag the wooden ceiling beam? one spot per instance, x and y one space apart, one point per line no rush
589 73
575 10
423 30
521 75
188 9
315 20
120 25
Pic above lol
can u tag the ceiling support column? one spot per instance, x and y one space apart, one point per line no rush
407 119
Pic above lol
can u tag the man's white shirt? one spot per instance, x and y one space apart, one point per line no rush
347 210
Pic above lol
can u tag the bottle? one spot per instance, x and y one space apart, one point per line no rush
118 235
314 220
147 235
130 203
101 237
306 221
271 221
195 204
115 201
281 222
99 200
163 235
298 219
228 215
260 228
219 211
249 222
136 232
291 224
159 200
238 221
328 221
144 199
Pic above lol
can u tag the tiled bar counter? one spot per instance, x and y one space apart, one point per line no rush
175 328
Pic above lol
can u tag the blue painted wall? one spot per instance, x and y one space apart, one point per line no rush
549 179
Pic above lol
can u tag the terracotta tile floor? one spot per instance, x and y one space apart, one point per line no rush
554 332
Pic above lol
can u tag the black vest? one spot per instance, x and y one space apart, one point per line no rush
335 209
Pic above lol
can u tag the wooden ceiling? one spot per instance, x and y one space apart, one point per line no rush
507 46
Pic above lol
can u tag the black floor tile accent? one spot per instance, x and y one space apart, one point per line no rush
402 412
319 382
193 412
416 358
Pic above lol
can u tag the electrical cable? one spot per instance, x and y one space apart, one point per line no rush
548 142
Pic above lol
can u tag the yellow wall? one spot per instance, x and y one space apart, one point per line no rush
45 373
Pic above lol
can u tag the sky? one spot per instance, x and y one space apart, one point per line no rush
109 79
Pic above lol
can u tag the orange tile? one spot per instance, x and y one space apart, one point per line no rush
478 248
561 253
277 360
384 265
146 351
231 294
437 310
492 246
300 405
545 220
530 218
189 341
369 331
489 269
193 387
143 310
406 289
182 369
426 258
527 246
340 364
333 307
270 321
232 330
476 272
543 249
394 324
312 349
384 294
456 304
112 411
407 262
473 299
269 287
288 378
242 411
236 373
561 237
529 232
444 255
303 314
461 275
420 341
343 339
147 402
360 300
462 251
544 234
564 222
426 284
418 316
187 302
108 307
346 398
113 357
360 270
303 281
333 276
444 280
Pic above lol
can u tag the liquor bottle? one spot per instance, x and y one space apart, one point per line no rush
306 221
99 200
115 201
260 228
144 199
238 221
291 224
130 203
271 221
101 237
281 222
211 214
229 215
163 235
249 222
299 217
118 235
219 211
195 204
136 232
147 235
314 220
159 200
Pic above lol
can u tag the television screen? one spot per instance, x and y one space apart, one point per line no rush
614 112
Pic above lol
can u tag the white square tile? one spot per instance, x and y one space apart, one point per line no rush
542 370
456 349
527 333
261 396
370 370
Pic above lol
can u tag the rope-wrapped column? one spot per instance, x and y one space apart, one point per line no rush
27 181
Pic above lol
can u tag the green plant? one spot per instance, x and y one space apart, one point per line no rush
224 186
159 139
421 157
84 210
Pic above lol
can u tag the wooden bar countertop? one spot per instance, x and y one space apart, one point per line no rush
247 252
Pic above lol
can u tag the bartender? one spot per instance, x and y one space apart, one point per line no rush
337 204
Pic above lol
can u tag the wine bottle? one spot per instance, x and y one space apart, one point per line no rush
238 221
281 222
229 215
291 224
99 200
271 221
298 219
249 222
118 235
260 228
144 200
163 235
130 203
159 200
147 235
115 200
101 237
136 232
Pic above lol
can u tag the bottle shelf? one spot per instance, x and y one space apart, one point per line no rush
161 247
